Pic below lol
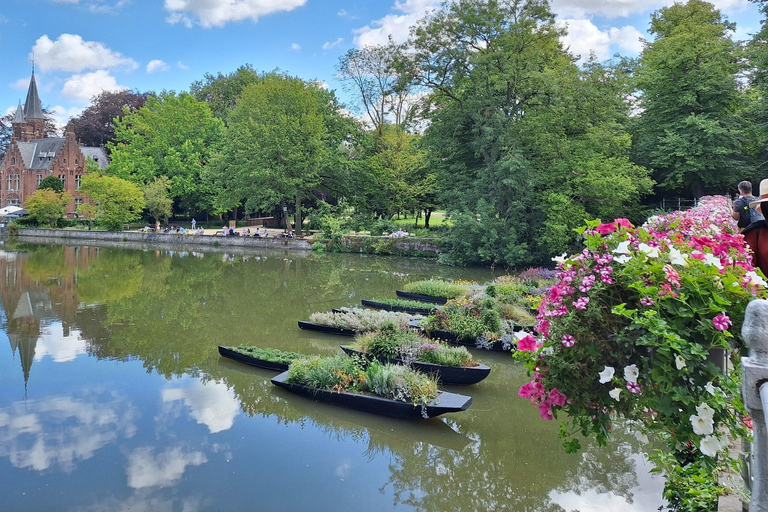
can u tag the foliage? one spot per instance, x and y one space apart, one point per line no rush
221 92
392 343
171 135
118 201
405 303
95 126
629 325
437 288
361 320
52 183
159 205
47 206
269 354
87 211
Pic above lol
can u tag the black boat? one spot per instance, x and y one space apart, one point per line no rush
253 361
402 309
455 375
423 298
451 338
309 326
444 403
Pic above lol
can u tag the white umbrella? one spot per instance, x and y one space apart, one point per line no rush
9 210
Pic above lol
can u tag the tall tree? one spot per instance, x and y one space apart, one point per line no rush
95 126
158 204
173 135
118 201
221 92
689 132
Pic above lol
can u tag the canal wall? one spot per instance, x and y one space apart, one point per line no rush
385 245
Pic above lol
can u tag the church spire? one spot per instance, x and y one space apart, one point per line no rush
19 117
32 107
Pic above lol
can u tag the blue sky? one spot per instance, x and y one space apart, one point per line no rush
83 47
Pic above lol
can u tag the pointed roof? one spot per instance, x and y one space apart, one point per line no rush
19 117
32 107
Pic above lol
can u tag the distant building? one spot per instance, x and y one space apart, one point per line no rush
32 156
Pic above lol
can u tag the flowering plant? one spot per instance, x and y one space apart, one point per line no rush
628 328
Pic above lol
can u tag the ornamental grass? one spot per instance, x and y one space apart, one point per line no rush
363 320
411 346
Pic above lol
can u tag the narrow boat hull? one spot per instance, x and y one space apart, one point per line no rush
423 298
253 361
401 309
309 326
445 402
454 375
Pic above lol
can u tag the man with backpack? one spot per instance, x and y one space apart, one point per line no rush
743 213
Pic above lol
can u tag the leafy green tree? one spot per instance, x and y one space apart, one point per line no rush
95 126
285 140
171 135
118 201
52 183
88 212
47 206
689 132
158 203
221 92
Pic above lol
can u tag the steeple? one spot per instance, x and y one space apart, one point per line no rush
19 117
32 107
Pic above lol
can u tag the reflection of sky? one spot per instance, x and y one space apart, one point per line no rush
60 431
147 469
645 494
140 502
212 403
52 342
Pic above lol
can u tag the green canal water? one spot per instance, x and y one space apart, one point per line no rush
113 397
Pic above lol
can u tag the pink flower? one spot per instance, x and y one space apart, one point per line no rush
531 390
722 322
556 397
581 303
646 301
545 410
624 223
672 275
606 229
634 387
568 340
527 344
666 289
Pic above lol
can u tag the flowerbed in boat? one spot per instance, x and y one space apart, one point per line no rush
404 303
627 329
438 288
342 373
361 320
272 355
410 346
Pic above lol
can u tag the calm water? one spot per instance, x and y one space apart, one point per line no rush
113 398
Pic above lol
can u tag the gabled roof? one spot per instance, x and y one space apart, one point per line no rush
39 154
33 108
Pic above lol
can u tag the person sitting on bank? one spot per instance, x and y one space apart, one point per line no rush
257 233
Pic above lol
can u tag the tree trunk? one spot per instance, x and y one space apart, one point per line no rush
298 218
427 215
416 221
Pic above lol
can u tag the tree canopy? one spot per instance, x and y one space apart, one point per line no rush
95 126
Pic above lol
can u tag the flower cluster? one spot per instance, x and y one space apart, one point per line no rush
631 324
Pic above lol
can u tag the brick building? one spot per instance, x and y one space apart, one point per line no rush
32 156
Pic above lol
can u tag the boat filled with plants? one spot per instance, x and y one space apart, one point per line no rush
402 305
390 390
349 322
268 358
449 364
435 291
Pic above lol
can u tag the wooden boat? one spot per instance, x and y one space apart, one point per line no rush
402 309
444 403
456 375
423 298
309 326
253 361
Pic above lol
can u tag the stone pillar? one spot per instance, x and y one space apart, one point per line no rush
754 384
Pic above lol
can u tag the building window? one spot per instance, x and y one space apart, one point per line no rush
78 202
76 162
9 187
13 182
63 178
14 202
39 180
13 160
16 181
77 182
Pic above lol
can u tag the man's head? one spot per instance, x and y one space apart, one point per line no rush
745 187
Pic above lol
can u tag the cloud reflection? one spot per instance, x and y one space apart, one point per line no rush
212 403
52 342
145 469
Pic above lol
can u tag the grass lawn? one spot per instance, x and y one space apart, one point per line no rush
435 220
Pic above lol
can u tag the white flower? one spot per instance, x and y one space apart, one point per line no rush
607 374
631 373
622 248
705 411
701 426
677 258
641 437
710 445
622 259
711 389
521 334
615 392
755 279
547 351
711 259
652 252
679 362
561 258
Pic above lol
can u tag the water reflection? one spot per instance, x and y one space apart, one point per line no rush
160 416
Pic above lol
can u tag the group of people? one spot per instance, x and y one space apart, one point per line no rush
398 234
748 212
230 231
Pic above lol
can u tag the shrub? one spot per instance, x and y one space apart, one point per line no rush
437 288
410 346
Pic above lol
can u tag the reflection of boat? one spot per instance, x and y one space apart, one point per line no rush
309 326
253 361
445 402
423 298
402 309
456 375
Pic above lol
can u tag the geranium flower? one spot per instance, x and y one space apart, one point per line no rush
622 248
556 397
679 362
631 373
527 344
568 340
722 322
615 392
545 410
634 387
671 275
607 374
606 229
531 390
702 426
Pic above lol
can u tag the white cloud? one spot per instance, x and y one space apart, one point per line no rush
21 84
85 86
330 45
181 65
156 65
583 36
70 53
147 470
99 6
61 116
626 8
217 13
395 25
212 404
295 46
343 13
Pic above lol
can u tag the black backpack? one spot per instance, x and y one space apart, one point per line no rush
748 215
